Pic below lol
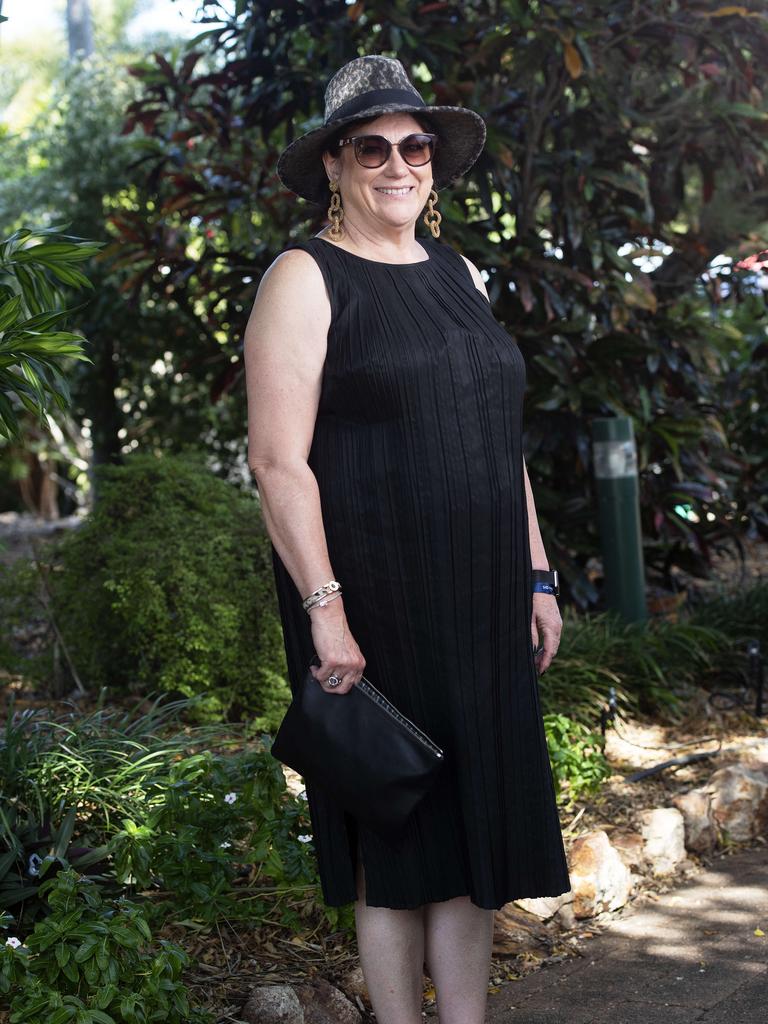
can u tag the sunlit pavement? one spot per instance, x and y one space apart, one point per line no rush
691 956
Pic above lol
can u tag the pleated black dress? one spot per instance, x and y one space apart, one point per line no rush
418 458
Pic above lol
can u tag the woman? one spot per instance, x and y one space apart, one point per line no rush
385 406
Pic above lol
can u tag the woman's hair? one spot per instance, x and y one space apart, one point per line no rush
351 129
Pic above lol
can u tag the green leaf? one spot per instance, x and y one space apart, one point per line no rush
9 312
10 896
744 110
127 1004
61 1016
85 950
92 857
9 424
65 831
7 860
70 970
125 937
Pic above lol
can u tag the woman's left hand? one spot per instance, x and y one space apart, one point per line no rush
547 624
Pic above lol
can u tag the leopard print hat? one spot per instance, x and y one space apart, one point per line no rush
364 88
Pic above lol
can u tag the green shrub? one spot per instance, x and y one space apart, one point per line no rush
32 848
23 614
206 816
90 961
169 585
740 612
650 664
577 757
207 833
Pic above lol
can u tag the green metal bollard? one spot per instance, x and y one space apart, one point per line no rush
615 461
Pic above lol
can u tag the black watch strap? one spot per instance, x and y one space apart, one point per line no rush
546 581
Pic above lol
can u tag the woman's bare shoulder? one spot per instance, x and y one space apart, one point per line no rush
294 262
294 273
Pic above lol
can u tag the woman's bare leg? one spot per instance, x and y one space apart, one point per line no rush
458 943
391 948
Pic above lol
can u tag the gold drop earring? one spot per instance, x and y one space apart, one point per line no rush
336 212
433 217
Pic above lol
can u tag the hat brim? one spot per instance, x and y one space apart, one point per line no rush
462 137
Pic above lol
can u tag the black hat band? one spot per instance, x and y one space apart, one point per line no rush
375 98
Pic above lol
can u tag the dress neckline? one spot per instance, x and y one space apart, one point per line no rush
380 263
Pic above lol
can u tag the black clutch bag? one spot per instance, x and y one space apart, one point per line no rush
373 760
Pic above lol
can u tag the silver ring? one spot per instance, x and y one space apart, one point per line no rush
333 680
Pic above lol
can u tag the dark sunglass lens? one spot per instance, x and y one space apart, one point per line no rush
372 151
417 149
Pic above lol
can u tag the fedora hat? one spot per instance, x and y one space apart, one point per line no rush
364 88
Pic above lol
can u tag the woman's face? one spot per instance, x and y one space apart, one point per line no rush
362 188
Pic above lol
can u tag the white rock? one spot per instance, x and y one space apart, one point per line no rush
600 879
739 802
545 907
700 828
663 832
629 846
324 1004
552 908
274 1004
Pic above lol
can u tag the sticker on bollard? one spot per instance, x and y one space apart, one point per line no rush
614 459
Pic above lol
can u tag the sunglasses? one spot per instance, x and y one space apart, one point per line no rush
374 150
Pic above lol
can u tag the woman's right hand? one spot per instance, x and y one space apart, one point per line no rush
335 647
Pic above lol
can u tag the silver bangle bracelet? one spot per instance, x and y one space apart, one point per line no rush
327 588
323 601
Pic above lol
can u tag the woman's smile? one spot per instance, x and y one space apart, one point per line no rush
395 192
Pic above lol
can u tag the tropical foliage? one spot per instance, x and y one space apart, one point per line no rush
90 961
33 264
602 210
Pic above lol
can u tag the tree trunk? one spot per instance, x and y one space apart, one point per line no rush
79 28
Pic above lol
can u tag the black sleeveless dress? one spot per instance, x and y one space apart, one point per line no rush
418 457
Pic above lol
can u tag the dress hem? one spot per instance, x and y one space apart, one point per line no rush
526 895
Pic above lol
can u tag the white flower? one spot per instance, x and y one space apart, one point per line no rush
230 798
305 839
13 942
224 846
33 867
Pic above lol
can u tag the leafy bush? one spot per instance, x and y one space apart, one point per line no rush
217 831
169 585
207 816
650 664
32 848
90 961
740 613
26 639
32 343
577 757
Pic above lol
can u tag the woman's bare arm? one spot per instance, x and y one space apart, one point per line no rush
284 351
546 622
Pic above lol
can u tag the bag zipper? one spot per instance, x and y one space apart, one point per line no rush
375 695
